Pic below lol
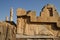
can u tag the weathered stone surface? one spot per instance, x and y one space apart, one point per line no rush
47 19
34 29
45 24
21 12
20 25
7 31
32 15
58 22
48 13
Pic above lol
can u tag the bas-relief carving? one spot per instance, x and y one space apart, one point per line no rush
33 25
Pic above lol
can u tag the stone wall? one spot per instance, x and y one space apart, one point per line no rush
46 24
7 31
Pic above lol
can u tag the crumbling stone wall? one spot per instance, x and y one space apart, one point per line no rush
7 31
29 24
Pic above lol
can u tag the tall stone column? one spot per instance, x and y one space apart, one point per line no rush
11 14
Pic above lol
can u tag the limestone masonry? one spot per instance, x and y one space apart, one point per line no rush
29 26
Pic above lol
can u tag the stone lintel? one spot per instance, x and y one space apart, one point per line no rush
23 36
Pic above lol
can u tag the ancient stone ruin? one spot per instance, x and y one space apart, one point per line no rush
32 27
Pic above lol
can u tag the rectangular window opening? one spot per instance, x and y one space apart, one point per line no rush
50 11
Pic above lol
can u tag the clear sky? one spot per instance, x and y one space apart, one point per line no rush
37 5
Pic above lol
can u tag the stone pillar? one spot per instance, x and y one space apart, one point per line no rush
6 18
11 14
20 21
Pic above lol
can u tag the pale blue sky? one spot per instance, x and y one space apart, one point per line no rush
37 5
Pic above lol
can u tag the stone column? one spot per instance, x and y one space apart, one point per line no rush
6 18
11 14
20 21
